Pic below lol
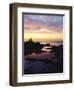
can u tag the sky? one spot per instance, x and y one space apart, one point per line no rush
43 28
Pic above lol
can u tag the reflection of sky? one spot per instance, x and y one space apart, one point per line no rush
53 22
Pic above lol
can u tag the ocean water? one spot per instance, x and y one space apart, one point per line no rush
40 65
56 43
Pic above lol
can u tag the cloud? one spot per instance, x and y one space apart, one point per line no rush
44 23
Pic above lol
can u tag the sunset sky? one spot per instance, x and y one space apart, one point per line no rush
43 28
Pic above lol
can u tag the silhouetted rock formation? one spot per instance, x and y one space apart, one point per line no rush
58 50
35 47
30 47
47 44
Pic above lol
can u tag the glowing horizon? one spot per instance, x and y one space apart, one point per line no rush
40 37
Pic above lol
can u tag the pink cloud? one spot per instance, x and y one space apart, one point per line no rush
36 26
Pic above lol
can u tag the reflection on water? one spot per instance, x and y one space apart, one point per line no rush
47 48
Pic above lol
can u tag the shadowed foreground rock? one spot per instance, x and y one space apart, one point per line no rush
30 47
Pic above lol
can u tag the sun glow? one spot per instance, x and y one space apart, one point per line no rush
37 36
